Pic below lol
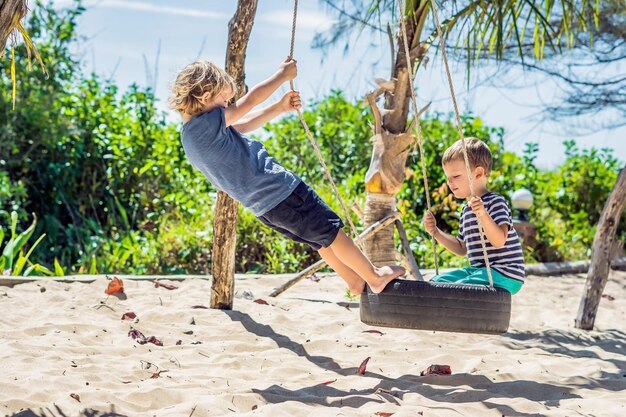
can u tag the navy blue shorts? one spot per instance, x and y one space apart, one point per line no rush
304 217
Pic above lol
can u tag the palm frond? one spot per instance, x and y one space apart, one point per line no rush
13 77
30 48
16 10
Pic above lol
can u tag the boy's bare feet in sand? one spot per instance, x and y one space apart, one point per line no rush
384 275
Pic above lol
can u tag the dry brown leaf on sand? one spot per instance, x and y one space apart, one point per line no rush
129 316
329 382
170 287
75 396
142 339
363 366
116 286
156 375
437 370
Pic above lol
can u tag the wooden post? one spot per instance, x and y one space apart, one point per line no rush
601 254
224 245
225 221
413 268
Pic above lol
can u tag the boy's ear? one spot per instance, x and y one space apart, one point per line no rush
479 172
205 98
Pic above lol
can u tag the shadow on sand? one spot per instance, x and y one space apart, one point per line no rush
576 344
266 331
455 389
459 388
449 390
56 411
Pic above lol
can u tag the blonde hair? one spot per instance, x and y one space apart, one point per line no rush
478 154
195 80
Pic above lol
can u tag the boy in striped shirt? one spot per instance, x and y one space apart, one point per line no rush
503 245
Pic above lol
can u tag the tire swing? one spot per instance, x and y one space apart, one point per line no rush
449 307
439 306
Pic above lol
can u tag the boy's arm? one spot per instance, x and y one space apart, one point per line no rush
260 92
450 242
496 234
257 118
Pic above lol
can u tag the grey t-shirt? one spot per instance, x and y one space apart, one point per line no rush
235 164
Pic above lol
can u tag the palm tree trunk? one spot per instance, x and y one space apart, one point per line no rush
380 250
383 181
392 141
225 222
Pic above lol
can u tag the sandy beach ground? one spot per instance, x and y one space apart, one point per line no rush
65 351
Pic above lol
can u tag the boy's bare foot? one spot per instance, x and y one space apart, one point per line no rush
385 275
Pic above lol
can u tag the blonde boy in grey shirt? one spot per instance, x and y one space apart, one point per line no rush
212 137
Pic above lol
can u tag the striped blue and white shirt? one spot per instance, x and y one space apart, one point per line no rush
507 260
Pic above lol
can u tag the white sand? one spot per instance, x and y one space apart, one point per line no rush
271 360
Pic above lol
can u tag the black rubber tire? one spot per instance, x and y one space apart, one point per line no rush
438 306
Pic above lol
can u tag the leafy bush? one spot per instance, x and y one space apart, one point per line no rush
13 260
94 164
13 197
569 201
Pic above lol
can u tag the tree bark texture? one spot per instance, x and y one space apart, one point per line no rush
380 250
225 221
11 12
397 103
392 139
598 274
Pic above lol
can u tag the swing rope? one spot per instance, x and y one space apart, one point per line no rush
418 128
314 144
460 129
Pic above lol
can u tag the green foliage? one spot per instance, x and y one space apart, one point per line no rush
13 259
569 201
341 129
12 197
96 165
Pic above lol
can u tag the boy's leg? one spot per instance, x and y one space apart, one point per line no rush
349 254
356 285
479 276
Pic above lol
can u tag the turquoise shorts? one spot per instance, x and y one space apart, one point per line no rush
479 276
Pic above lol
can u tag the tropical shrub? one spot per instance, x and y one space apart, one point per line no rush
13 260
